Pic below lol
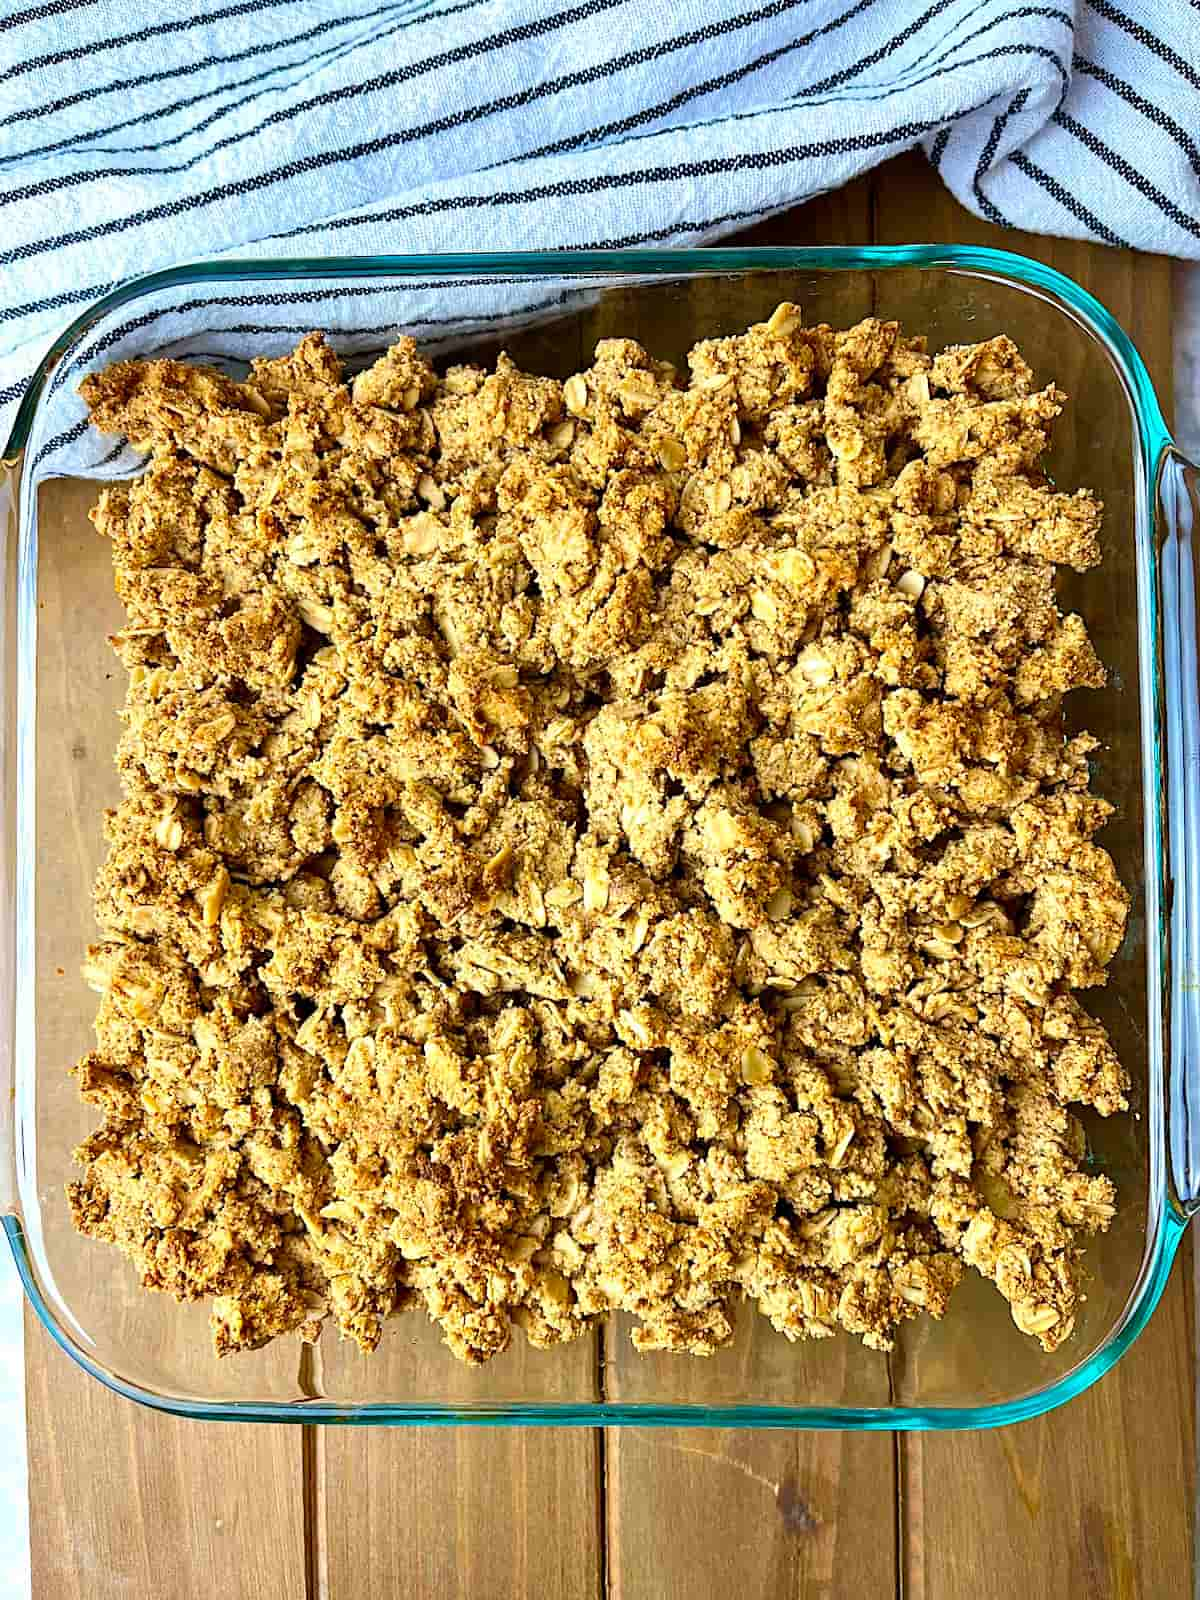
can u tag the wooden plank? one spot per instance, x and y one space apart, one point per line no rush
1092 1500
482 1512
486 1513
127 1503
123 1501
1097 1498
476 1513
699 1512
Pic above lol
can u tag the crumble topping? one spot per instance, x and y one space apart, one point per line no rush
599 845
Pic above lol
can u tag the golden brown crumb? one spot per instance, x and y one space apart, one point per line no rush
609 844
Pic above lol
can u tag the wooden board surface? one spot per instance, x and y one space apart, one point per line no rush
461 1514
127 1502
474 1503
124 1501
1093 1501
757 1513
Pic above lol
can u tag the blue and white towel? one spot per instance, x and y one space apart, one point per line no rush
133 138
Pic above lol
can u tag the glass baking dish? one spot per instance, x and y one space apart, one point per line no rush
58 729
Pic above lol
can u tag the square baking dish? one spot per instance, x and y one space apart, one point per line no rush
58 729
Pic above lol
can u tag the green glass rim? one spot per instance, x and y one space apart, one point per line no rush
979 260
616 1413
1165 1221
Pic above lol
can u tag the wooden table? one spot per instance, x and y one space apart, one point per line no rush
1093 1502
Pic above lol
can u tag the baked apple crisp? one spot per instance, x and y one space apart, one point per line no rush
599 845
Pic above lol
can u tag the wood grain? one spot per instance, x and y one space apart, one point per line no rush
1095 1499
130 1504
485 1513
698 1513
460 1514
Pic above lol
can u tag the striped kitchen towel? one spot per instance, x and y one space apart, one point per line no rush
134 138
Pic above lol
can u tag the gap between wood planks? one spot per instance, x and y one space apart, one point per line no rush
316 1545
602 1575
313 1490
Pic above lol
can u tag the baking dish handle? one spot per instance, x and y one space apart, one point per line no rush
1178 518
10 477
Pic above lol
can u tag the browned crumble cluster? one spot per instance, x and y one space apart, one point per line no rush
599 845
